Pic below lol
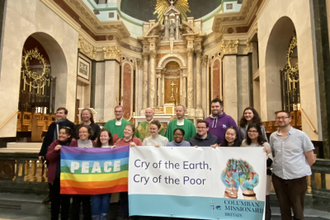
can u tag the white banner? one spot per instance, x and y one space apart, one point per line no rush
204 183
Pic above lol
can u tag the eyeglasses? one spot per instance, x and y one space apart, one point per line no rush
281 118
252 131
178 134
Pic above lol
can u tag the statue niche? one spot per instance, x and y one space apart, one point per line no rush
171 74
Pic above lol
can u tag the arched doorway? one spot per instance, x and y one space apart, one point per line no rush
43 86
37 84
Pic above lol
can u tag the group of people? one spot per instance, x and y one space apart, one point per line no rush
290 152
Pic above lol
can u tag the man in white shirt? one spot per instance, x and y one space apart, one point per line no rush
293 155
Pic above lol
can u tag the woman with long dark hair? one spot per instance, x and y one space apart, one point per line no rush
255 138
87 119
250 115
231 138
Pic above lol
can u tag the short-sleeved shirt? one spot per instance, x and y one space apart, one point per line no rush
289 160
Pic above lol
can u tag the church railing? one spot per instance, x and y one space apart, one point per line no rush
320 181
22 173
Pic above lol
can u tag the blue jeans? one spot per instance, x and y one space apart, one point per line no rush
100 203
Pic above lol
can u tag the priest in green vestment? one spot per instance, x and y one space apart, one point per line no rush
117 125
180 122
142 130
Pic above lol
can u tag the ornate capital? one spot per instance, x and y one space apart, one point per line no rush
145 55
112 52
229 47
190 52
86 48
204 60
249 46
153 54
139 63
198 53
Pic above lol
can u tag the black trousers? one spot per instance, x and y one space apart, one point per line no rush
290 194
86 205
59 202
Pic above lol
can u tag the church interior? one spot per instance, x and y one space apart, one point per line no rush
268 54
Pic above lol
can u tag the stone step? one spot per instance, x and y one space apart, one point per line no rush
19 150
24 204
36 145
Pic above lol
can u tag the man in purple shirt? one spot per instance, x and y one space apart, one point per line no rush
218 120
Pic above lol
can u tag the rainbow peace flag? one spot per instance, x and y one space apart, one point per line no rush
94 171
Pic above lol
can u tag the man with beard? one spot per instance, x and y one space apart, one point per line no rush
52 135
142 131
218 120
293 157
180 122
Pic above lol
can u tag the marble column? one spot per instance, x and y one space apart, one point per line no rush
163 90
139 86
243 84
204 85
230 87
99 89
152 78
111 88
159 91
183 98
145 56
190 76
198 80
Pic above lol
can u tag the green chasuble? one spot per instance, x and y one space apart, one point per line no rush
142 131
116 131
188 127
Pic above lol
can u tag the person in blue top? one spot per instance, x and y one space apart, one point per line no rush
178 139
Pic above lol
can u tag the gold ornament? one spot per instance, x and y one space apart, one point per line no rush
162 6
31 79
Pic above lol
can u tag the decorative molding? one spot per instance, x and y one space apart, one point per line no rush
145 55
190 51
243 18
88 18
204 60
249 46
139 63
86 48
112 52
153 54
229 47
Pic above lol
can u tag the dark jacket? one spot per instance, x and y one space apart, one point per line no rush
208 141
53 158
52 135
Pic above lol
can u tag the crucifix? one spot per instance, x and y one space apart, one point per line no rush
172 99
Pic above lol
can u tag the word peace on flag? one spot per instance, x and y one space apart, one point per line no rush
94 171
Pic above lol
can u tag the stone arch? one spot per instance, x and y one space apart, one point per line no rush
171 57
275 59
59 65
